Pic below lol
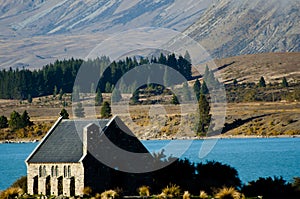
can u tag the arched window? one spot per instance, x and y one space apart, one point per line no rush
52 171
40 171
65 171
44 171
69 171
56 171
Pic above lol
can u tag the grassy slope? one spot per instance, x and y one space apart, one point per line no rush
255 118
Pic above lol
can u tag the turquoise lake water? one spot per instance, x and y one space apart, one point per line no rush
253 158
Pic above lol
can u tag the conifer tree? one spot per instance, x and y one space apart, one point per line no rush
15 121
262 82
105 110
187 57
25 120
98 98
204 89
135 97
174 100
186 92
204 115
55 91
284 83
116 95
3 122
79 111
197 88
64 114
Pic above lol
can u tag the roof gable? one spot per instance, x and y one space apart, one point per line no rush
63 142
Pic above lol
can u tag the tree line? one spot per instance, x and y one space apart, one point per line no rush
60 76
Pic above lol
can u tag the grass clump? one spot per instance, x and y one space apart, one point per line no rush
12 192
228 193
203 195
186 195
144 191
171 191
109 194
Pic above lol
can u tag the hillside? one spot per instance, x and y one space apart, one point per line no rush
236 27
249 68
251 118
37 32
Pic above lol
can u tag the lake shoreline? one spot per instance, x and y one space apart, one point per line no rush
22 141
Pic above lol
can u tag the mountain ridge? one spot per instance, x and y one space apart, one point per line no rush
235 27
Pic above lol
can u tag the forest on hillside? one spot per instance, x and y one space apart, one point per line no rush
60 76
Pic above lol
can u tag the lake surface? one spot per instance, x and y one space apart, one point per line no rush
253 158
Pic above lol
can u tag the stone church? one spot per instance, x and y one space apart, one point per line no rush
82 153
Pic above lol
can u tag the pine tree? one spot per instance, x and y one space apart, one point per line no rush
61 93
105 110
15 121
284 83
116 95
204 116
187 57
167 77
3 122
55 91
75 94
64 114
25 120
197 88
135 97
186 92
204 89
235 82
262 82
29 99
174 100
98 98
79 111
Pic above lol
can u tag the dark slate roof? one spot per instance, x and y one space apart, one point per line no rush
63 143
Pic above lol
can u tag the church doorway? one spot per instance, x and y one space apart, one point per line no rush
36 185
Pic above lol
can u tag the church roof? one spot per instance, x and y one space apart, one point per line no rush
63 143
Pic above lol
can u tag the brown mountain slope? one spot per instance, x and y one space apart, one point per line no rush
249 68
235 27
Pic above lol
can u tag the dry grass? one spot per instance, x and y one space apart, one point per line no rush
144 191
203 195
12 192
110 194
228 193
171 191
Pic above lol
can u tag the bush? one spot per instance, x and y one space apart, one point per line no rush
21 183
12 192
270 188
171 191
110 194
144 191
228 193
87 191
